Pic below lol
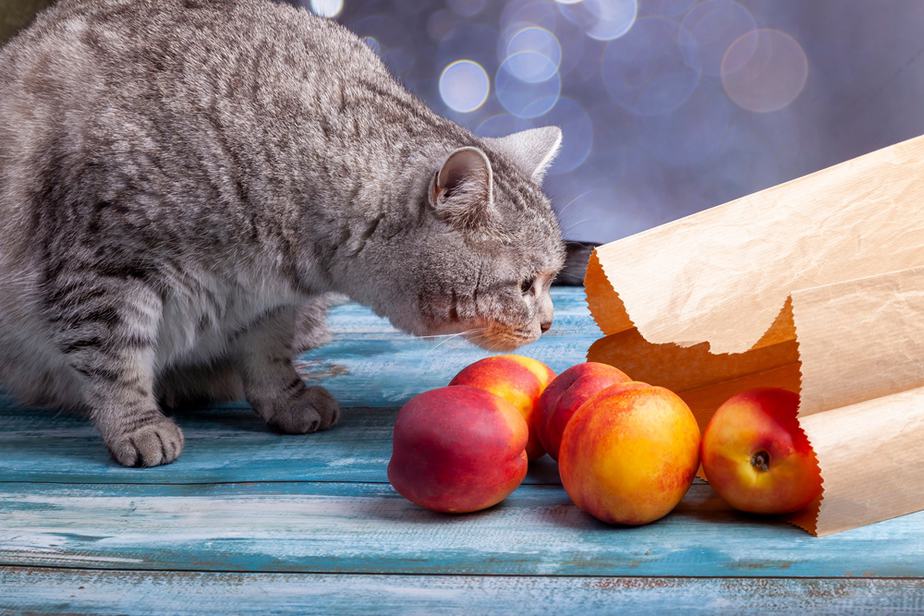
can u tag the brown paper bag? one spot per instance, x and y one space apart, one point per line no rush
816 285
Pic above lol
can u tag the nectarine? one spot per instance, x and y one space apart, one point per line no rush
629 454
565 394
517 379
757 457
458 449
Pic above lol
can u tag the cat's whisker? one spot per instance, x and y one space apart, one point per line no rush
565 207
573 225
476 330
453 335
445 338
481 338
430 336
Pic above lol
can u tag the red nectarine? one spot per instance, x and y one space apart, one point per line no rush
517 379
565 394
757 457
458 449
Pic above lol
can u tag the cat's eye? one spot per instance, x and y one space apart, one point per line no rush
527 285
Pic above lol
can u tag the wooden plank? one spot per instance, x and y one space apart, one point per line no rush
46 591
366 528
369 364
228 444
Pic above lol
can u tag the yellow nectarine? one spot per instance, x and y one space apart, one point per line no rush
629 454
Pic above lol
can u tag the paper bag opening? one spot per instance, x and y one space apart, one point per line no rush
816 286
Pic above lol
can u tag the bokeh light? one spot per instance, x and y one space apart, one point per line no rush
464 86
326 8
373 44
501 125
714 25
603 20
764 70
651 70
670 116
440 24
468 40
385 29
527 99
519 14
665 8
525 65
531 66
466 8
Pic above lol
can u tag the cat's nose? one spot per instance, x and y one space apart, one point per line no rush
545 326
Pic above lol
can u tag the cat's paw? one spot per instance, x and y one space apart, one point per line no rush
153 444
310 410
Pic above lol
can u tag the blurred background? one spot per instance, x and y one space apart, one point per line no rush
667 106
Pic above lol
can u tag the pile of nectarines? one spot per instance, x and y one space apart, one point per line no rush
627 451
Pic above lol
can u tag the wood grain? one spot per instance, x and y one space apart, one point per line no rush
249 521
370 364
47 591
227 444
367 528
371 368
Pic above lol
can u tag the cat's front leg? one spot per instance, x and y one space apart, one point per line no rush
106 329
311 321
271 384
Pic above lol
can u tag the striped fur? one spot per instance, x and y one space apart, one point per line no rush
185 185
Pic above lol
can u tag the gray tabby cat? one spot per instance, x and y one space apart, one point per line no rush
183 181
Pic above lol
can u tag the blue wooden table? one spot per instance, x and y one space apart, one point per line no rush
252 522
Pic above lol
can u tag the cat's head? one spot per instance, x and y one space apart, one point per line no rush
486 246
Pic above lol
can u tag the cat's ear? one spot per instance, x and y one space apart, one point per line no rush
462 190
531 150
